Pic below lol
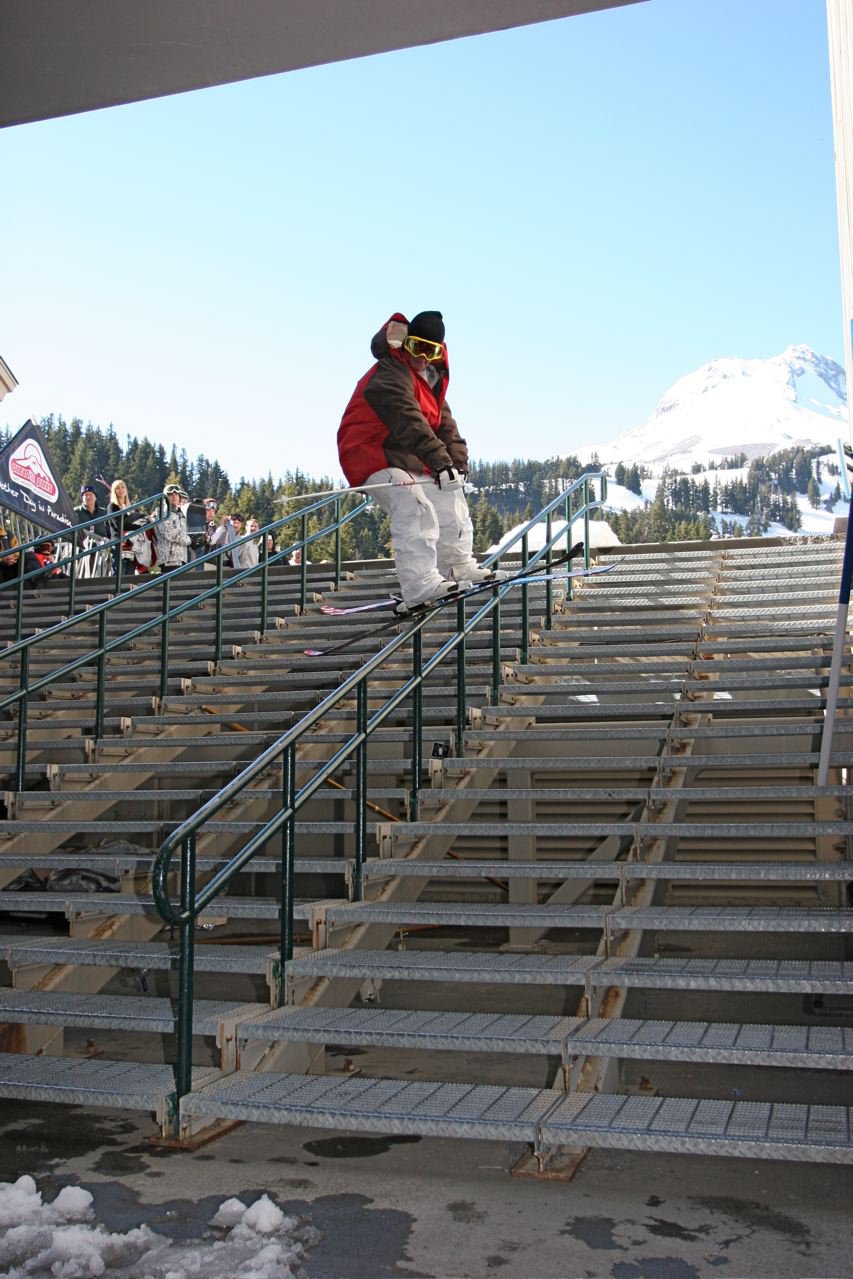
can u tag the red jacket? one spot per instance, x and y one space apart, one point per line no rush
394 418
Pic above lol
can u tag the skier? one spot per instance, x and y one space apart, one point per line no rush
398 428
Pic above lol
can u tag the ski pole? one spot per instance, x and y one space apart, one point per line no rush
360 488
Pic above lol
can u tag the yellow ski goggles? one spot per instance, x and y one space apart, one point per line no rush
423 349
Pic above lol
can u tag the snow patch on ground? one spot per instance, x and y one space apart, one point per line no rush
61 1240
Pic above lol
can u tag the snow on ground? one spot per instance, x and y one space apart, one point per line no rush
61 1240
600 533
621 499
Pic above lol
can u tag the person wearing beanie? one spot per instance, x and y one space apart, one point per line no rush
397 430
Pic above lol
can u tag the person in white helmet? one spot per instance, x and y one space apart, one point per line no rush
398 428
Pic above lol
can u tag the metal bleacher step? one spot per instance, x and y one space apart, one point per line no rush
776 976
754 1129
728 919
142 862
522 969
74 1081
252 793
799 872
456 914
474 868
124 826
718 1043
540 1117
157 956
395 1028
654 795
739 831
118 1012
664 762
391 867
74 905
807 1047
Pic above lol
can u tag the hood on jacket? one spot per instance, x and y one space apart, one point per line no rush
379 347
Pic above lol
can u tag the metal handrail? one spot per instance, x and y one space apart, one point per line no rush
168 612
76 556
192 902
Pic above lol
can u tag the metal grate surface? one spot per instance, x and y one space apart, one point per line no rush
758 1130
746 919
136 954
376 1105
780 976
118 1012
126 1085
814 1047
396 1028
444 966
457 913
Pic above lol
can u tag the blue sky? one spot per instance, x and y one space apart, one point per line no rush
598 205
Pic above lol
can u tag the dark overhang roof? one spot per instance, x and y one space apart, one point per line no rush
58 57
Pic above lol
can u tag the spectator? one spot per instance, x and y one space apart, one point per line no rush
120 501
211 506
45 554
223 535
88 508
171 538
9 560
237 530
250 553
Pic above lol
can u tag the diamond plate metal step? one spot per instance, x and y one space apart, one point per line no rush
76 904
776 976
475 915
451 1031
768 976
703 872
120 1085
116 863
756 1130
487 1112
388 867
751 1129
475 868
741 831
118 1012
743 919
156 956
809 1047
446 966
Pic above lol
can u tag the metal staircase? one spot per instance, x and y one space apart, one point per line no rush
575 888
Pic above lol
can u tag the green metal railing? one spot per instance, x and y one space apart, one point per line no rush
184 839
97 656
77 534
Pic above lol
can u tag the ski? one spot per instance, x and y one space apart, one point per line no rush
391 601
417 614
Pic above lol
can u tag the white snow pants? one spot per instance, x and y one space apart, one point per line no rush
431 532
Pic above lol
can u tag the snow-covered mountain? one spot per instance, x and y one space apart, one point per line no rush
732 406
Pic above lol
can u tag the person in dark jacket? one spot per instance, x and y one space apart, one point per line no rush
397 430
89 508
9 557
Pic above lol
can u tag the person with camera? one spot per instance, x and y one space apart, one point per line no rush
398 429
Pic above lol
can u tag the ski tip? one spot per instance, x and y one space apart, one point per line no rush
312 652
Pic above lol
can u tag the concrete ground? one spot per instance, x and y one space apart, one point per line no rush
408 1206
